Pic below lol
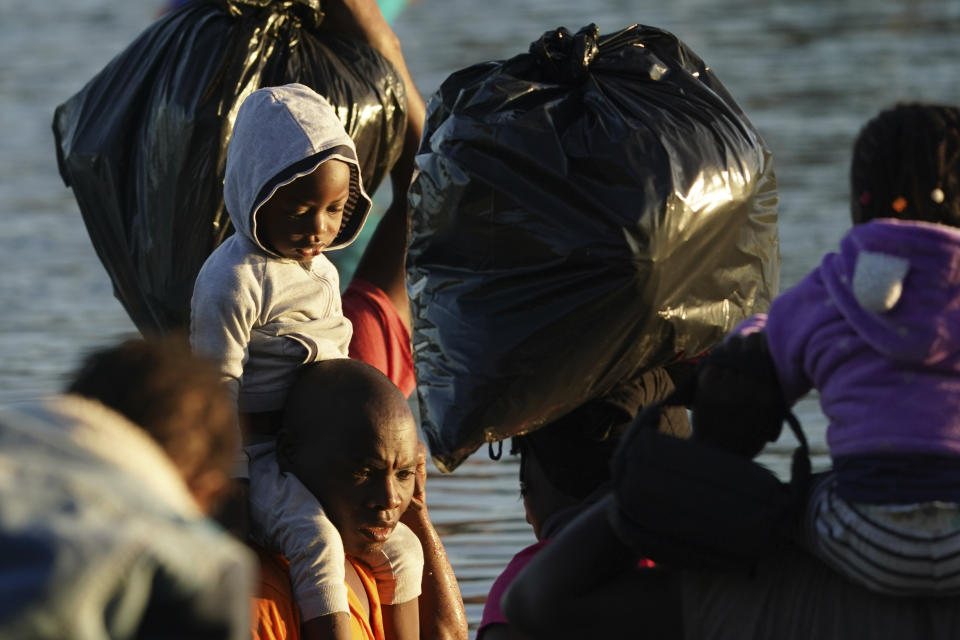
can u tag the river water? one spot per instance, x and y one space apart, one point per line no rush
807 73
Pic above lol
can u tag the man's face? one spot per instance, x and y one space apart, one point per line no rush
366 484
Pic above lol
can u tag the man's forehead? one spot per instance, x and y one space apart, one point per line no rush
382 462
386 439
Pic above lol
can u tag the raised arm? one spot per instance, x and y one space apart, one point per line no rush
442 616
382 263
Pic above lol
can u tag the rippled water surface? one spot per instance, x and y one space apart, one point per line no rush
807 73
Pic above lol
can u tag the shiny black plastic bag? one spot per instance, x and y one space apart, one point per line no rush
583 212
144 143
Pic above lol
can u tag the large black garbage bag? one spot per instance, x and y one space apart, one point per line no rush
143 144
583 212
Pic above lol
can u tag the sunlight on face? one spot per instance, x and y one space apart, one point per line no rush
366 481
304 217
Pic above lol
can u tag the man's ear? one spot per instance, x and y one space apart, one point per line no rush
286 450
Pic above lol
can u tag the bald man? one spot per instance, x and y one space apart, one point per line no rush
350 438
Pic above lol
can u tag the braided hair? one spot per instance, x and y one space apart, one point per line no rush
173 395
906 165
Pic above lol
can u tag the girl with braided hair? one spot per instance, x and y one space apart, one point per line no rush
875 329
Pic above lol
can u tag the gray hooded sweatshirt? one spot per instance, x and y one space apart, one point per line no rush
258 314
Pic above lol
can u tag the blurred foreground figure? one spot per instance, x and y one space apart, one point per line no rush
104 493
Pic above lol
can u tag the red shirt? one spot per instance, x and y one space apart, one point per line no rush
379 336
275 616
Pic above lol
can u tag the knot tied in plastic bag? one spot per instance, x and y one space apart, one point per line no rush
565 57
308 12
583 213
143 144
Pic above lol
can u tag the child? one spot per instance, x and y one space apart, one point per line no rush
103 499
267 301
876 330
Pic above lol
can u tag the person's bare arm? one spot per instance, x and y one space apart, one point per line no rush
383 261
401 621
442 616
335 626
585 584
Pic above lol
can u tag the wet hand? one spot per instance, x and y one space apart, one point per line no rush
418 504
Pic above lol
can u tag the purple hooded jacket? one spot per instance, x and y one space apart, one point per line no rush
876 330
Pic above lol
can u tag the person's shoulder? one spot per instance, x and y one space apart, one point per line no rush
274 574
492 614
232 267
235 253
525 555
275 615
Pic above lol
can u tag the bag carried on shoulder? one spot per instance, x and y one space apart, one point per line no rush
584 212
144 143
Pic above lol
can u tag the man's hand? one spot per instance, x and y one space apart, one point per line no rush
418 504
442 616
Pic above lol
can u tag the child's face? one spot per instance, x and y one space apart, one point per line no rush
303 217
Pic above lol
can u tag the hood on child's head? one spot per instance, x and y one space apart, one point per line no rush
897 283
281 134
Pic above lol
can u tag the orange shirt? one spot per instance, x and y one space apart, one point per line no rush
276 617
360 627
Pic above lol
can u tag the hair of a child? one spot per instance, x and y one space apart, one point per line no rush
172 394
906 165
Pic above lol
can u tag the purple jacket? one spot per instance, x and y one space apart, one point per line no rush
876 330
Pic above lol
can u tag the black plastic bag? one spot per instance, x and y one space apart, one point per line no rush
143 144
583 212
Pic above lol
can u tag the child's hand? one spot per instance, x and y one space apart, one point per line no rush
418 504
739 406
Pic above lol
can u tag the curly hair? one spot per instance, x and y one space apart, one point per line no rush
173 395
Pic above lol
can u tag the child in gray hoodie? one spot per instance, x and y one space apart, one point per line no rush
267 301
